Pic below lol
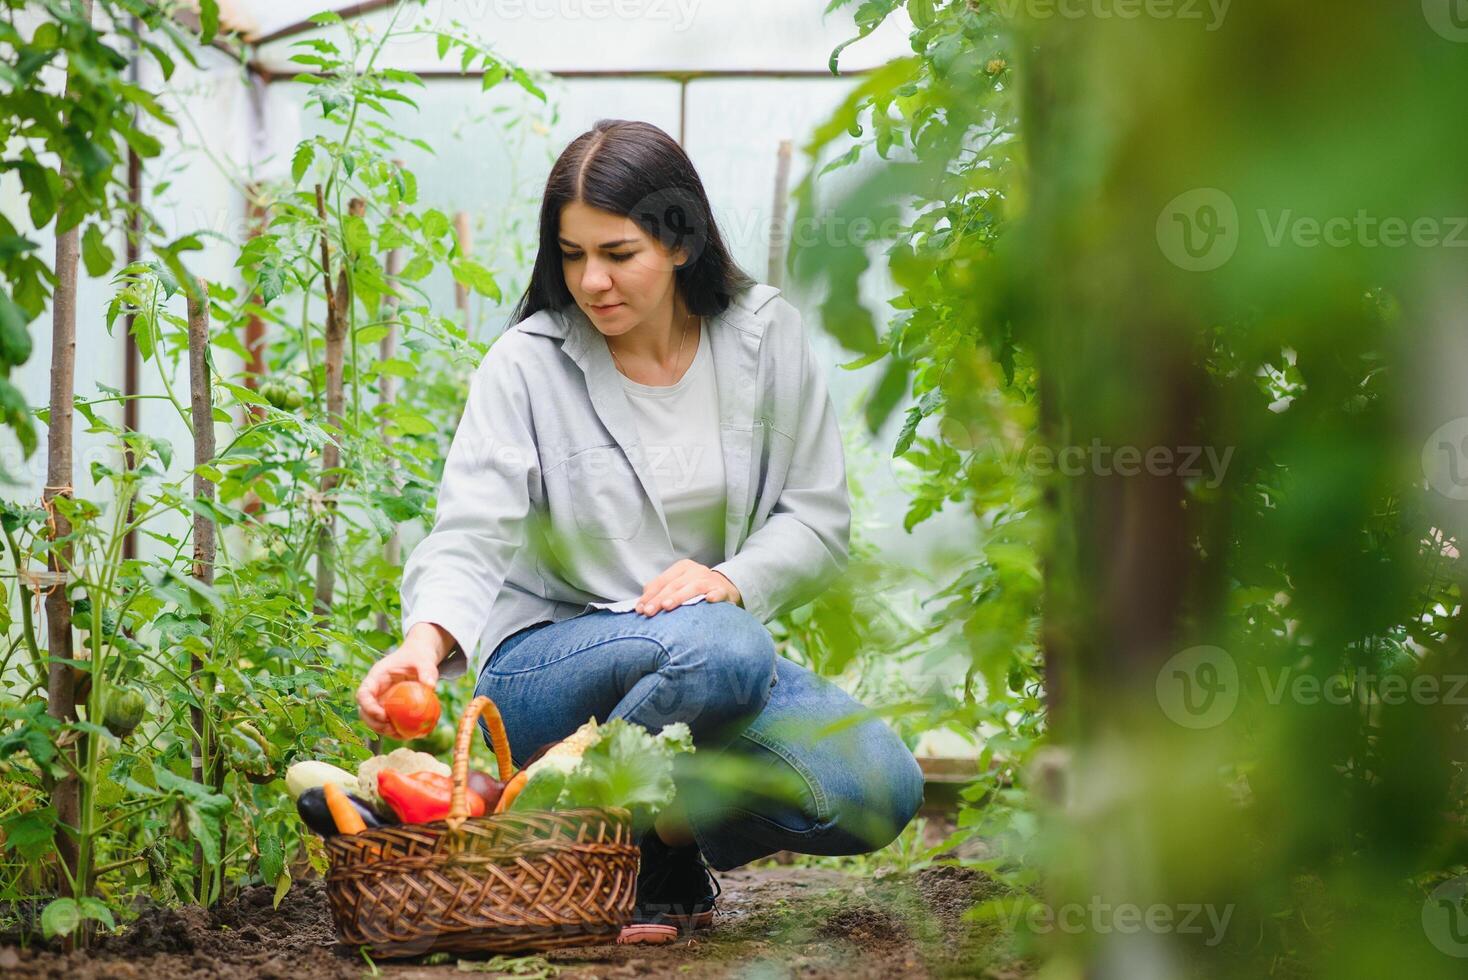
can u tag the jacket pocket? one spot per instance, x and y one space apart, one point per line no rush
605 494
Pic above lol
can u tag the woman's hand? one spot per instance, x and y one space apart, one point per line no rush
422 650
682 581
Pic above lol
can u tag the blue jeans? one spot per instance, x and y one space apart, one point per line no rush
781 762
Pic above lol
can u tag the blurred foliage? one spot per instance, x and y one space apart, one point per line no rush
1229 241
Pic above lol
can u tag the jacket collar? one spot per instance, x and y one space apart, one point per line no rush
734 341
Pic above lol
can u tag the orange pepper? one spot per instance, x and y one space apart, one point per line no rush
423 797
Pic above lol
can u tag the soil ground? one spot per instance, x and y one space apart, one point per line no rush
775 921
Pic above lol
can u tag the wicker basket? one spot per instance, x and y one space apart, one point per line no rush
523 881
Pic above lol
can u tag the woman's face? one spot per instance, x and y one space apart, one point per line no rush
618 274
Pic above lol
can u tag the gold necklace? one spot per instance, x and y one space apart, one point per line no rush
679 359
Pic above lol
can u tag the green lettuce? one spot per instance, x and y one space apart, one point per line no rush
625 767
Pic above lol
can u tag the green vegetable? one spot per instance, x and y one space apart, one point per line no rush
436 742
124 711
625 767
311 774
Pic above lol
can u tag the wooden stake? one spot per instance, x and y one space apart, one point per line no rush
66 795
60 681
205 747
465 237
336 337
778 231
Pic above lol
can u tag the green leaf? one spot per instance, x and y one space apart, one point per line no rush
358 236
271 282
435 224
844 160
95 251
94 908
15 338
411 423
397 367
272 856
61 918
208 20
476 277
301 160
282 887
864 360
30 835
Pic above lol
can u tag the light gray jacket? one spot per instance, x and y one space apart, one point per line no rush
547 454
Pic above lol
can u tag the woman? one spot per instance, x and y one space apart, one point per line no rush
648 469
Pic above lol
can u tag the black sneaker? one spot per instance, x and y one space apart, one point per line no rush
674 886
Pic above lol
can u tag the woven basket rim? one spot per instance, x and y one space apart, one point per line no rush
340 843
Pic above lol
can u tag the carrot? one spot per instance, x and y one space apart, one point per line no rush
512 790
346 817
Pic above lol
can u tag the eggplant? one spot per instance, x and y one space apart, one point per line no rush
314 813
488 788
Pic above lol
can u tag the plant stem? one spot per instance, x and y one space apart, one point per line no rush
27 624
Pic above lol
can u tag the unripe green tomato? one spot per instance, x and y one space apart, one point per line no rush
275 393
436 742
124 711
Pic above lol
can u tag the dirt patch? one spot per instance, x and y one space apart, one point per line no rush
243 937
773 922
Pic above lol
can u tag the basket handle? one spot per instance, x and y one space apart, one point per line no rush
459 800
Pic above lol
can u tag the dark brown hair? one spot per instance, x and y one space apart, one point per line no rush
636 170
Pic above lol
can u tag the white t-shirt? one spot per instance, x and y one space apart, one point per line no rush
679 426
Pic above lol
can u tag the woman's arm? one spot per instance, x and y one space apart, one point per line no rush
803 544
453 576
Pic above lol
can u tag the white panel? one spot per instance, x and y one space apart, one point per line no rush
627 35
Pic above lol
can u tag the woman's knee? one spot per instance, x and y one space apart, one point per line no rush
735 652
890 796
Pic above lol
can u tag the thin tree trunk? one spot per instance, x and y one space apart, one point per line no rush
778 231
61 682
205 751
466 245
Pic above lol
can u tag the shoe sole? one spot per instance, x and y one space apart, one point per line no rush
647 934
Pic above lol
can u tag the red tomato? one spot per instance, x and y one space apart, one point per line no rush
412 709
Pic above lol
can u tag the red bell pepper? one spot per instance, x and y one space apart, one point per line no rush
423 797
